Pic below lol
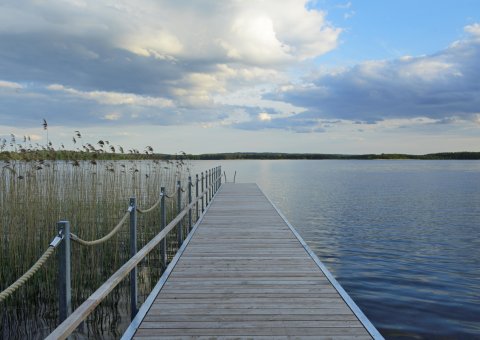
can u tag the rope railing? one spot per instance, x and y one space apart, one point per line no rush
33 269
107 237
144 211
82 312
212 184
170 195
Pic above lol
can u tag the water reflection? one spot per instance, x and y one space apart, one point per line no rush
400 236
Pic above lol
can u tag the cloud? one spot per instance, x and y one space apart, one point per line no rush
435 86
349 15
113 98
346 5
264 117
112 116
160 60
473 30
246 32
10 85
294 123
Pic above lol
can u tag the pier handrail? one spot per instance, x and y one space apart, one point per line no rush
105 238
28 274
55 242
144 211
82 312
62 240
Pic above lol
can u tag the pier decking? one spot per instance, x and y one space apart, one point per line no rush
244 272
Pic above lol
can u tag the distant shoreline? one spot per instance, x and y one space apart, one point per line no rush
319 156
78 155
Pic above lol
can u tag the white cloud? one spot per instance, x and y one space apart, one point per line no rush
476 118
428 69
349 15
35 137
256 32
254 40
112 116
113 98
473 29
197 89
189 57
158 43
10 85
264 117
442 86
346 5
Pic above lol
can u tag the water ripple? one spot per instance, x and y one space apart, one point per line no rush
402 237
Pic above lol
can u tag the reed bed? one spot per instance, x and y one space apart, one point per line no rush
92 195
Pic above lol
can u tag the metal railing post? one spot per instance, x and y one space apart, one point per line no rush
214 177
133 250
219 176
189 202
206 188
163 224
209 193
64 272
203 207
210 187
179 210
196 195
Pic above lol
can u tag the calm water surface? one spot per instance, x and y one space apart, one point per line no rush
402 237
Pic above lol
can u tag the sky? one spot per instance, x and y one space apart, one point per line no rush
205 76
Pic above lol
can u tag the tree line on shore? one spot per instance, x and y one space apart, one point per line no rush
52 154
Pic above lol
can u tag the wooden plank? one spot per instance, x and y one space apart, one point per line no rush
245 311
253 324
244 274
247 290
238 301
153 317
331 331
266 337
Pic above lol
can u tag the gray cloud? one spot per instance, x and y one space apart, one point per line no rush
295 124
83 64
183 52
436 86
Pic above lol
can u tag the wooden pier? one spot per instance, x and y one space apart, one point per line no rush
245 273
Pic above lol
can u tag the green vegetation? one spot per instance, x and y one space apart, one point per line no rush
38 190
79 155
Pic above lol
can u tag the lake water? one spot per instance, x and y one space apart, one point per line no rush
402 237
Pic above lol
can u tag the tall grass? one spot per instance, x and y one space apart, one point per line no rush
92 195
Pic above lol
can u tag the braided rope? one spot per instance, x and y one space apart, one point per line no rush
25 277
41 261
171 195
140 211
103 239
